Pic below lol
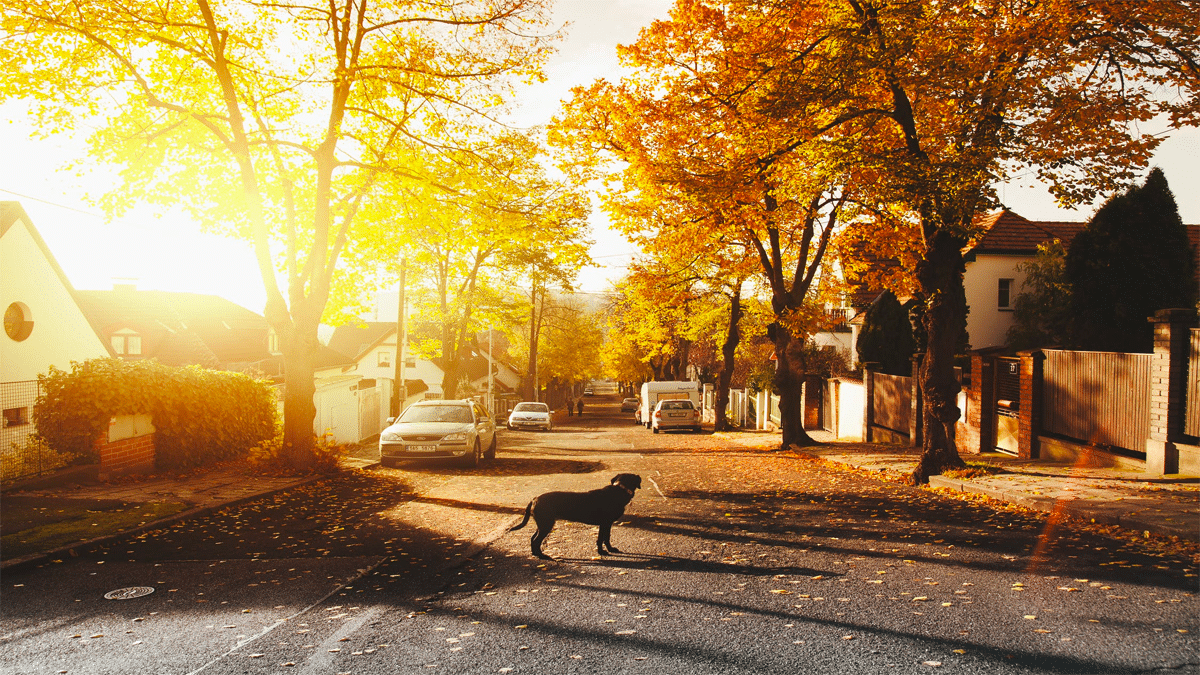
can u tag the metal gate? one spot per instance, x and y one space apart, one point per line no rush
1008 403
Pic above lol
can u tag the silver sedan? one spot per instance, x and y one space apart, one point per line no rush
461 430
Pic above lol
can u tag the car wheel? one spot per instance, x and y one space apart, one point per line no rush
472 460
491 451
510 427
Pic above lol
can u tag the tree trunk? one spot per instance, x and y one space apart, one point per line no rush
299 387
940 275
725 376
789 383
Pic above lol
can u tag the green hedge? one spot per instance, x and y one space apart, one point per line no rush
201 416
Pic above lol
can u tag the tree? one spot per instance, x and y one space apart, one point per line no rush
940 101
277 122
490 216
887 336
1042 310
697 123
1132 259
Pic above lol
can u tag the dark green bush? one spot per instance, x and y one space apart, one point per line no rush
201 416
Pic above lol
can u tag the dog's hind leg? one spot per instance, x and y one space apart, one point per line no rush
535 543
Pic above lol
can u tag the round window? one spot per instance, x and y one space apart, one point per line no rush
18 323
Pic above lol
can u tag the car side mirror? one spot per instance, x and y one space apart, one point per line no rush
391 420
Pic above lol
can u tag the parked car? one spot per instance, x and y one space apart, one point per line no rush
675 414
588 392
462 430
530 415
629 405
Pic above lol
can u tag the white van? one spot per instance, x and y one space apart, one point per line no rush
653 392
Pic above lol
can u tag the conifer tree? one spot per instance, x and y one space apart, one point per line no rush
1133 259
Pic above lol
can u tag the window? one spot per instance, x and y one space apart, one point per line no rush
384 359
273 342
1004 294
15 417
126 342
410 362
17 324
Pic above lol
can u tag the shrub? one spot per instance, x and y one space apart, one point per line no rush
201 416
267 456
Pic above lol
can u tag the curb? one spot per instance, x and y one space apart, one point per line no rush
1094 513
33 559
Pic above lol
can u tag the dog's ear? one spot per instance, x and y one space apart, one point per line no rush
628 480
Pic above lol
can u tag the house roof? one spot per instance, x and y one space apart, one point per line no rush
356 339
181 328
11 212
1005 231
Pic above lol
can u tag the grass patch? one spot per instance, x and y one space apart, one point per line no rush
975 470
32 529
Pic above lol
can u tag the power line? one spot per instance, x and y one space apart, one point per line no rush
50 203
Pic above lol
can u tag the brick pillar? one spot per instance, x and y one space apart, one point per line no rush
1168 388
1030 410
981 411
869 369
914 413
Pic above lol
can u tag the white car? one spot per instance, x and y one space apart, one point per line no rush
675 414
530 415
463 430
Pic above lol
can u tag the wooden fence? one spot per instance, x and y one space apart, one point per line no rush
1101 398
891 401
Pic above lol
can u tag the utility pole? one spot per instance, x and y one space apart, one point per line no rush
399 393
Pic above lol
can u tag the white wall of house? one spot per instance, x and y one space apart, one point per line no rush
987 322
61 333
371 363
845 343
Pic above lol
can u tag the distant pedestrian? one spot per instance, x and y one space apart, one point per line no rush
570 404
579 407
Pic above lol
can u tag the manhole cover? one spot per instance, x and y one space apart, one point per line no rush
129 593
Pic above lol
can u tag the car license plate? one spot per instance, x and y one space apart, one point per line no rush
677 415
422 448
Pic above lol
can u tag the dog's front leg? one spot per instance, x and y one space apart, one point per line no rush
604 539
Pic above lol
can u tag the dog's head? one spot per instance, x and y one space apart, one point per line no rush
629 481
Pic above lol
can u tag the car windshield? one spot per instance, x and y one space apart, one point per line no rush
531 407
676 405
460 414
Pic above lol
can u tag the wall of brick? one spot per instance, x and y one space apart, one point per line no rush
125 456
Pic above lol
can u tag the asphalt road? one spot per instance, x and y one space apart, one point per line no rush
736 559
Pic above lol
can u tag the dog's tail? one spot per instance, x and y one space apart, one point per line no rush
524 520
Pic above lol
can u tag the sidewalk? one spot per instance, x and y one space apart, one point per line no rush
183 497
1164 506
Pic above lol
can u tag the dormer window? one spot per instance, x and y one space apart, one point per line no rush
126 342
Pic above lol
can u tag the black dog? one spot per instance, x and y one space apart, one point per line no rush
598 507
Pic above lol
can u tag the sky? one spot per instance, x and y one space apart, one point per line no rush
165 251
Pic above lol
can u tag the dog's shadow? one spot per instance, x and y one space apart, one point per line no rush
667 563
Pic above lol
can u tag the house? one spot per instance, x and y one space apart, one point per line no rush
372 345
992 279
44 324
182 329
